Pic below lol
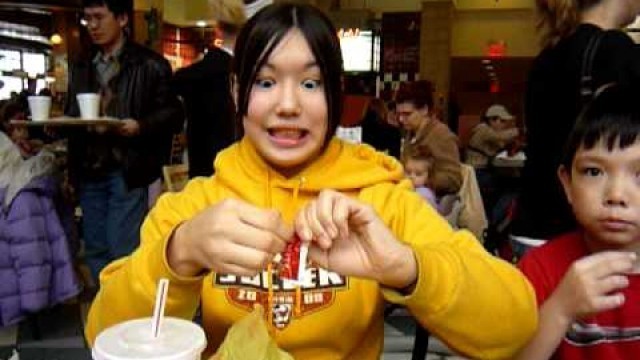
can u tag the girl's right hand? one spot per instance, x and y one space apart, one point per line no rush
231 237
592 285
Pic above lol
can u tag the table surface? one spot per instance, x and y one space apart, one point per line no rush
68 121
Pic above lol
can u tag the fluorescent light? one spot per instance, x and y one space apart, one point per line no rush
201 23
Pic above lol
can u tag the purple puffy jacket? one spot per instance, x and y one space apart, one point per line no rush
36 269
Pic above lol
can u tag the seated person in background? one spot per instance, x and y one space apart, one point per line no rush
417 168
488 138
19 135
370 238
587 282
379 133
427 135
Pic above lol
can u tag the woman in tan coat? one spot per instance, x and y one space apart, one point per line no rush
428 136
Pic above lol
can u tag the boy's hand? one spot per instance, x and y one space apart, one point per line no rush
591 285
349 238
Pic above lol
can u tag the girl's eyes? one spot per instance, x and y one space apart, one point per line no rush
264 83
311 84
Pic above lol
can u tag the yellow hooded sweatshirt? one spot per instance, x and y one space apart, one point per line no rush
479 305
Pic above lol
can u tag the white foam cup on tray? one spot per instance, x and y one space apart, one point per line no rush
89 104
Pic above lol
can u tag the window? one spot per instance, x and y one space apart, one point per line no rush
360 50
17 66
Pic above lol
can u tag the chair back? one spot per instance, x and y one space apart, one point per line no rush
175 176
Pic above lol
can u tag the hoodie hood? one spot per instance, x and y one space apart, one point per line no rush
342 167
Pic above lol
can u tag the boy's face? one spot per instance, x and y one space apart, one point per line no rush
603 188
417 171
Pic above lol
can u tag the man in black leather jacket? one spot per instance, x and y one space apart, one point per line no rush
112 167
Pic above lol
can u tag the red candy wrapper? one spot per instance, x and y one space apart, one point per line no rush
293 263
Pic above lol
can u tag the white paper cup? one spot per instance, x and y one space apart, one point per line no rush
178 339
89 104
39 106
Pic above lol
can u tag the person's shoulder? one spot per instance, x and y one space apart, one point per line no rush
480 128
366 152
564 248
142 54
617 42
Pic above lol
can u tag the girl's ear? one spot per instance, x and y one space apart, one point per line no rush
564 175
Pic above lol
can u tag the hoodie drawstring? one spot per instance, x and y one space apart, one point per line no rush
297 310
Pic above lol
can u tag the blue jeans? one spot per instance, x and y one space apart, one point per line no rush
111 219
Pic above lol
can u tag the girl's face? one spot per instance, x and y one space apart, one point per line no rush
417 171
603 188
287 115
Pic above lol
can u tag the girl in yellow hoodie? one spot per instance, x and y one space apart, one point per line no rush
372 239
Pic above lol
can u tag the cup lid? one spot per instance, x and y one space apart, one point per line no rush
178 340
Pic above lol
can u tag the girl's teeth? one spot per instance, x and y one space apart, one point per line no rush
287 134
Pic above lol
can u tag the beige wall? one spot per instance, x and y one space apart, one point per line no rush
493 4
475 23
380 6
178 12
474 29
416 5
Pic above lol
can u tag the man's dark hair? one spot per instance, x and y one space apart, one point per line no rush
612 118
264 31
117 7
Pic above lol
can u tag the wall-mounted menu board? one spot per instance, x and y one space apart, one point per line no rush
401 42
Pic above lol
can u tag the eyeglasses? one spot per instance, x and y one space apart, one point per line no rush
86 20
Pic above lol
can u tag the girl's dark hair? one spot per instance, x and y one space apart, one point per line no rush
264 31
612 118
117 7
419 93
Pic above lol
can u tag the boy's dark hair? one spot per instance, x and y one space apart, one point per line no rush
612 117
419 93
264 31
117 7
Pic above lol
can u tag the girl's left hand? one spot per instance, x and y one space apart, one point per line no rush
348 237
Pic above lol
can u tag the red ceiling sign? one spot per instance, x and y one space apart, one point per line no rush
494 87
496 49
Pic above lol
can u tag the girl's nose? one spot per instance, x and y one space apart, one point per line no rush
289 102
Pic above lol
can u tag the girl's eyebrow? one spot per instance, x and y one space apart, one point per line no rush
309 65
